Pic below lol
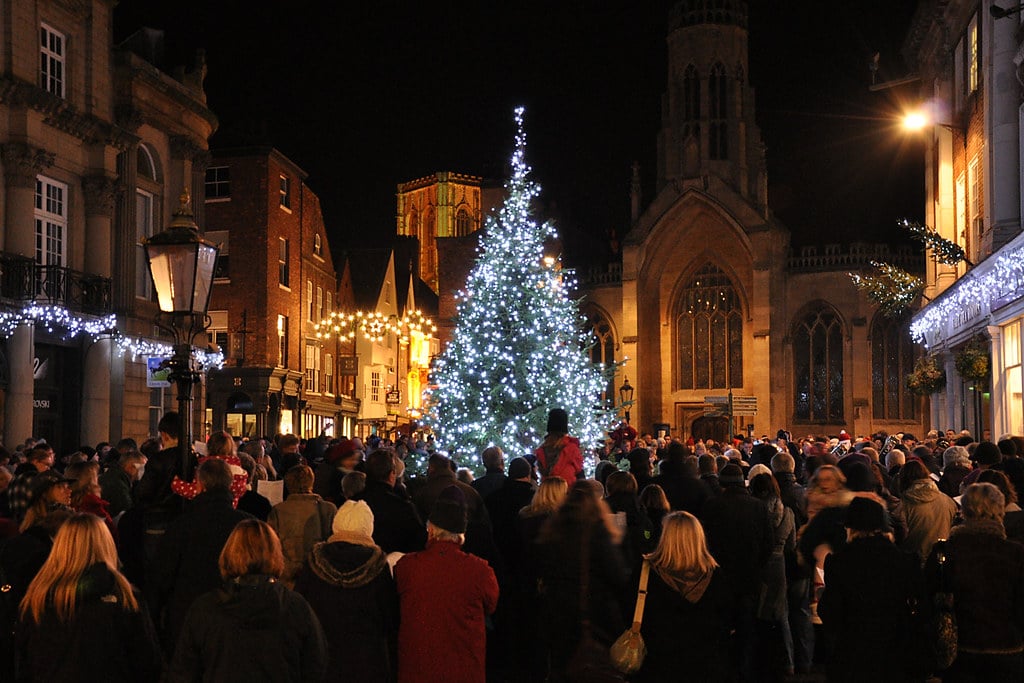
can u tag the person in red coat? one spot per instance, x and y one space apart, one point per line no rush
559 455
445 595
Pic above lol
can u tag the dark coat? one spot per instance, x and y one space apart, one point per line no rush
104 642
185 566
986 575
489 483
256 505
740 537
503 507
153 492
397 526
870 586
560 568
350 589
250 630
685 636
793 495
116 488
683 491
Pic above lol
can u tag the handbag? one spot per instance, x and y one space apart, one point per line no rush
629 649
591 662
943 627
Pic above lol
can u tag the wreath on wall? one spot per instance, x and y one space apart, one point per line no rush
973 361
928 377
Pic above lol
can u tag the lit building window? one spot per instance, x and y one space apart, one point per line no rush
285 192
818 366
709 332
892 359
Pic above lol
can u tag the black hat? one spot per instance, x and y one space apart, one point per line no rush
732 474
449 511
986 453
865 514
519 468
44 481
558 421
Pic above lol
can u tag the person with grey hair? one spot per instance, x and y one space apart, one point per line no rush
985 572
956 464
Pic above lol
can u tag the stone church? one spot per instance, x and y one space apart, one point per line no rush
712 299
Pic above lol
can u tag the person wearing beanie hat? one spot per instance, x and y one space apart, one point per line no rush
559 454
339 459
447 593
985 455
348 583
869 581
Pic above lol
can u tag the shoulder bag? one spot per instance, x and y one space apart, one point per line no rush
629 650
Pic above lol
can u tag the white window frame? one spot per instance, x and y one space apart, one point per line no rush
973 55
319 304
318 245
284 192
282 340
51 222
375 386
283 271
52 61
220 185
312 367
329 373
145 219
310 303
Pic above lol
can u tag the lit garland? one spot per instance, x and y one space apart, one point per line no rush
373 325
520 344
945 251
1004 276
893 290
56 318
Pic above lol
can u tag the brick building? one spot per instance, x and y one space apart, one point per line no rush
276 281
97 143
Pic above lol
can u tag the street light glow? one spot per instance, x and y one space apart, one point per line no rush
915 120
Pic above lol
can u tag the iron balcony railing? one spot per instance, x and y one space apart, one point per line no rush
24 281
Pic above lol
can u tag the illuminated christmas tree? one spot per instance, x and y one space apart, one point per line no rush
520 346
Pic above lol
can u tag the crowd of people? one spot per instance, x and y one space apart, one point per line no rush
767 559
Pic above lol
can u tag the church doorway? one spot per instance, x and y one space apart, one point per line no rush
708 427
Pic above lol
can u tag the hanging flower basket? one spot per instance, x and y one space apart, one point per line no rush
973 362
927 378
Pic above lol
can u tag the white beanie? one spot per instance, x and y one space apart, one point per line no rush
354 516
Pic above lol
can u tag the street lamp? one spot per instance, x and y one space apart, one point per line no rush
181 264
626 396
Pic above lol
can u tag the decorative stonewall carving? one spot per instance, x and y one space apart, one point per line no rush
22 163
99 192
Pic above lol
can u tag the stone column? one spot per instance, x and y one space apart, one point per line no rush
22 163
99 192
18 409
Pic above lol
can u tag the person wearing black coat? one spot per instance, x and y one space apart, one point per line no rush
680 482
348 584
871 591
397 526
186 560
741 538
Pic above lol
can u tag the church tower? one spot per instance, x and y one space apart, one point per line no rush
708 125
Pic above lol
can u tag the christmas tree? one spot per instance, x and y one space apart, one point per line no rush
520 346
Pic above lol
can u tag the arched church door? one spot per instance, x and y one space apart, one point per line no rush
709 427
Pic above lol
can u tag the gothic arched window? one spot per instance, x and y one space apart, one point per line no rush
709 332
691 102
718 101
462 223
892 359
818 366
603 350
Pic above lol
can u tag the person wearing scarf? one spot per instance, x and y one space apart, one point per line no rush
686 621
348 582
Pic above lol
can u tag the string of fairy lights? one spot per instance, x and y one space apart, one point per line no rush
59 320
374 326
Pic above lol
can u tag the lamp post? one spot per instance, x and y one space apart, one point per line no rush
626 396
181 264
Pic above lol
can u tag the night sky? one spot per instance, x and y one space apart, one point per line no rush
383 92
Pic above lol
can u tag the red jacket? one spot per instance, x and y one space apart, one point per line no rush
569 463
445 593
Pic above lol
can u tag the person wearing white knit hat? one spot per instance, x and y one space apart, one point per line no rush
348 583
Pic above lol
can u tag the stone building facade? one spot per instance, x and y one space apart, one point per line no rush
96 145
712 299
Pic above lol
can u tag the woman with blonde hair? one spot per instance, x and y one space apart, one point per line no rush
252 628
85 491
686 621
81 619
